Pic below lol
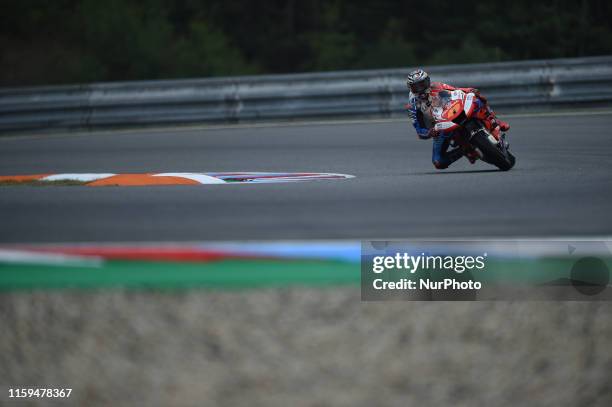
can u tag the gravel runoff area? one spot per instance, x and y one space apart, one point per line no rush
302 347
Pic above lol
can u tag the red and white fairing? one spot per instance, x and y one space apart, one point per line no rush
446 108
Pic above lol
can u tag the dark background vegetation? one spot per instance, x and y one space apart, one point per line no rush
70 41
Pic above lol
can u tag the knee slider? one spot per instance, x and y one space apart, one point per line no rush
439 165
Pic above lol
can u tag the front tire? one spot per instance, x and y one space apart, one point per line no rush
491 152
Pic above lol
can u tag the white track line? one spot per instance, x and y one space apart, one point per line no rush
76 177
201 178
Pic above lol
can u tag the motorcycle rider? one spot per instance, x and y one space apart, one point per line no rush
422 90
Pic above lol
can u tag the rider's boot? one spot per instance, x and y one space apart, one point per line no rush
492 121
496 122
503 126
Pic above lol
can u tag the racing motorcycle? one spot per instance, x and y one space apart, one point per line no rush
454 111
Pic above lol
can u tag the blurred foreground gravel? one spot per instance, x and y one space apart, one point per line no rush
302 347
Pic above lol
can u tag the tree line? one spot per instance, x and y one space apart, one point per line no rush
70 41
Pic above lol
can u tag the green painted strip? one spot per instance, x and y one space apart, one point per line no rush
220 274
236 273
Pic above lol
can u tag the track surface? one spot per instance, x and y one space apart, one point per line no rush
562 184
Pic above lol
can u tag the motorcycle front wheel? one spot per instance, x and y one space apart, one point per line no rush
492 153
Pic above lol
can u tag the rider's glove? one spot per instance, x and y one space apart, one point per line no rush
479 95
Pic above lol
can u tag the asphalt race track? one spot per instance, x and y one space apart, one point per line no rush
561 185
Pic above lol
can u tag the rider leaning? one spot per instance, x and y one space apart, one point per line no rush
422 90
